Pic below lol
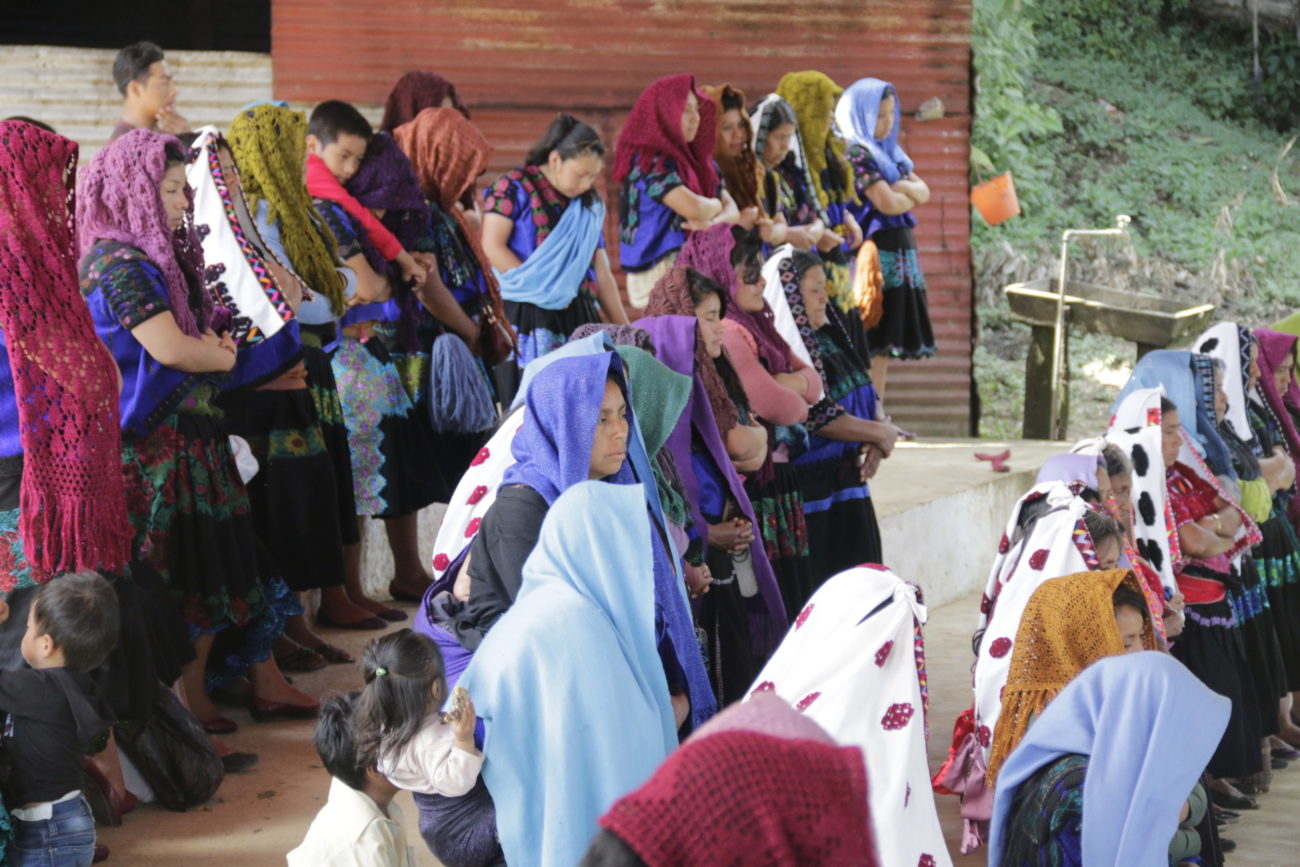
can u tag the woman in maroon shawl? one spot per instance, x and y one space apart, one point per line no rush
791 795
413 93
670 183
779 389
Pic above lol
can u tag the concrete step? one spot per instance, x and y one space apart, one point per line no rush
72 88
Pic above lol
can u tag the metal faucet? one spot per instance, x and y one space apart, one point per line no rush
1058 338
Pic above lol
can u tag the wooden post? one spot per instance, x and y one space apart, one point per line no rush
1038 385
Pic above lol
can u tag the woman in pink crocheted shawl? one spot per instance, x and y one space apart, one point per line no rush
142 274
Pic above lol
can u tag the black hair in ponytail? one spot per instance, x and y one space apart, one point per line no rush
570 138
567 136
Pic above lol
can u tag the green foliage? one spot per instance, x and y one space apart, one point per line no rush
1010 127
1098 113
1101 107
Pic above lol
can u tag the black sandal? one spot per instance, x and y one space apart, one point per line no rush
1233 802
333 655
301 659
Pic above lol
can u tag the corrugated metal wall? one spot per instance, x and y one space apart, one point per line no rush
515 64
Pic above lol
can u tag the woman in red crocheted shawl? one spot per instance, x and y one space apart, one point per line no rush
788 794
670 182
58 385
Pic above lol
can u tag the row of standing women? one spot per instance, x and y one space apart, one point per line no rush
1191 495
345 330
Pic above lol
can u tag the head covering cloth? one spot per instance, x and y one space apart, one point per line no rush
120 199
812 95
709 252
1122 713
792 798
1230 343
268 143
619 335
591 570
236 274
72 498
856 115
672 297
653 134
477 489
854 663
1274 347
661 395
448 154
1045 538
1069 470
1177 372
676 341
786 277
553 448
742 174
413 93
1068 625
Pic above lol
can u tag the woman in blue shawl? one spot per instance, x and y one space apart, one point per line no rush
867 116
542 230
570 688
1093 781
1184 382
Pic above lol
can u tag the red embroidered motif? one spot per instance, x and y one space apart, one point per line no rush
1004 545
1038 559
478 493
441 562
883 653
803 616
806 701
483 455
765 686
472 528
985 736
1000 648
897 716
926 861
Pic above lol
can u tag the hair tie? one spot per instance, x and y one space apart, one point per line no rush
380 672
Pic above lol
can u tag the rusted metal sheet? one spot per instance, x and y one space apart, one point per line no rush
516 64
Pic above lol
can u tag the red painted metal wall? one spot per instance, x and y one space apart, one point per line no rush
517 63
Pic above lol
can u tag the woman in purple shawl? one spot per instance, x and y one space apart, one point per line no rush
742 614
142 276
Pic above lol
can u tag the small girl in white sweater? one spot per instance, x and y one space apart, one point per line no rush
399 728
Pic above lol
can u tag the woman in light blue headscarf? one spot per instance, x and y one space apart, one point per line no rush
867 116
1093 781
1188 381
570 685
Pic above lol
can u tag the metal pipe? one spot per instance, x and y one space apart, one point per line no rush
1058 335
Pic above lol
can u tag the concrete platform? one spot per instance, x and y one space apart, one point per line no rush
940 512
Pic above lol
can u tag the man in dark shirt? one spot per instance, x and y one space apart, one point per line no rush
144 79
52 711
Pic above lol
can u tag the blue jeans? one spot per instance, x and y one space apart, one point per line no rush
66 839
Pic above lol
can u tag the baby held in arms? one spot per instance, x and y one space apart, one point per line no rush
399 727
